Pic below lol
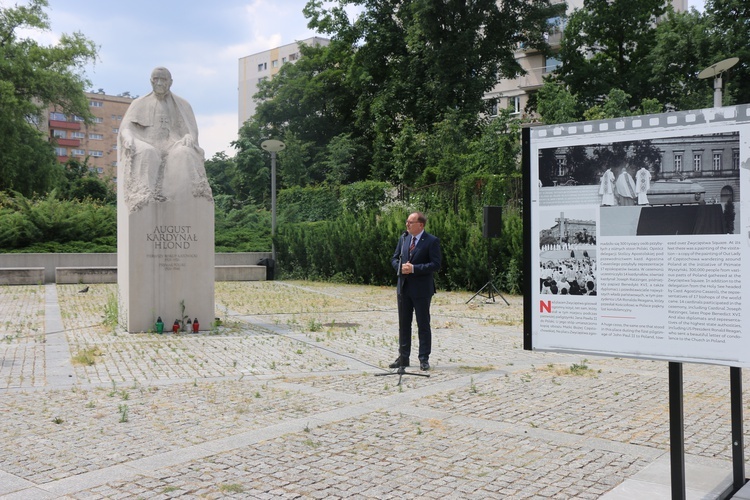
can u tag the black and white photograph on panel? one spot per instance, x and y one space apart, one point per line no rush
567 252
658 186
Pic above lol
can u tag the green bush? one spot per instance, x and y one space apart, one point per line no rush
353 243
358 249
29 223
307 204
241 228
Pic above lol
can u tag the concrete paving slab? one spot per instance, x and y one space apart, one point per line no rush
704 479
283 401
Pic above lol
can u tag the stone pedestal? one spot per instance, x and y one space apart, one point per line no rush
165 261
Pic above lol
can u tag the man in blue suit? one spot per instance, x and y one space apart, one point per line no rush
416 259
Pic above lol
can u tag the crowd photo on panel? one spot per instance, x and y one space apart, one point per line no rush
568 265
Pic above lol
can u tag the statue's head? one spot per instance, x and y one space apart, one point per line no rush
161 81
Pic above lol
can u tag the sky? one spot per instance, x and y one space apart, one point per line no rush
200 42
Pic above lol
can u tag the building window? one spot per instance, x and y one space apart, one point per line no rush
514 103
99 170
58 116
562 166
61 151
678 162
551 64
493 107
78 152
96 154
115 130
275 63
727 193
98 120
77 135
697 167
60 134
262 66
717 160
96 136
735 159
77 118
284 60
294 57
96 104
262 79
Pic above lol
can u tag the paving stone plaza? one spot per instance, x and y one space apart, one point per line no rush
282 401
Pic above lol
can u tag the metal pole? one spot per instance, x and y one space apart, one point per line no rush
717 91
273 193
738 446
676 431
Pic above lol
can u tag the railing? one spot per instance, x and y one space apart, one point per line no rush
68 142
64 125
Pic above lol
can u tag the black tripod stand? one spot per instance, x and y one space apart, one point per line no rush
401 372
489 291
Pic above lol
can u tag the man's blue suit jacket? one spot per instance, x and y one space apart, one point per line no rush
426 258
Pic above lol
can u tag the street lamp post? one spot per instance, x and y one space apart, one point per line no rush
273 146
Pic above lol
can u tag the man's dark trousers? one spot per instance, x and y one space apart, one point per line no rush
407 308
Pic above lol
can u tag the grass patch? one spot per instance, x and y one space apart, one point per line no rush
111 311
476 369
87 357
231 488
578 369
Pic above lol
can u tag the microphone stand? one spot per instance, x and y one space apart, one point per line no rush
401 372
401 253
401 369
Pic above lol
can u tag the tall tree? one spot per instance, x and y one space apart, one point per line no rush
604 46
409 63
33 76
312 101
556 104
683 47
729 25
252 181
221 172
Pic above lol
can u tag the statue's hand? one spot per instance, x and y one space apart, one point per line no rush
188 141
128 144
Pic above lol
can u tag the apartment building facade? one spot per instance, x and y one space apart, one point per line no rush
264 65
97 142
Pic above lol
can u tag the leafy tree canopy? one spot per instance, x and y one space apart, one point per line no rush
729 26
604 46
623 57
398 70
33 76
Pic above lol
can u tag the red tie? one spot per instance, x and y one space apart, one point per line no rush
413 242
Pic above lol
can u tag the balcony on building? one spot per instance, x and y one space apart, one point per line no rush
73 143
532 80
64 125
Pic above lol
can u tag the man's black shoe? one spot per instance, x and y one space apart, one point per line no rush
424 366
399 363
